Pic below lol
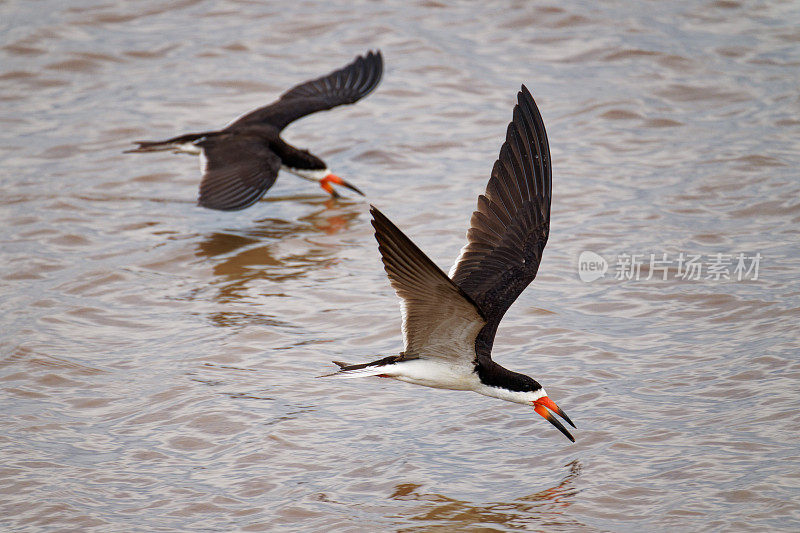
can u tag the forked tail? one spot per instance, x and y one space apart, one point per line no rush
169 144
373 368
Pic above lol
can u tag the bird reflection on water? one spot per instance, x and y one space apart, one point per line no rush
545 508
271 250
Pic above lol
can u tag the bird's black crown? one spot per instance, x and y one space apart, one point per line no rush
494 375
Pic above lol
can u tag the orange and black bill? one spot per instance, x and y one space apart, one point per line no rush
325 183
542 405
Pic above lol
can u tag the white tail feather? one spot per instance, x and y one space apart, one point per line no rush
358 373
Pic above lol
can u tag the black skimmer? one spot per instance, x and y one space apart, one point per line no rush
449 322
241 162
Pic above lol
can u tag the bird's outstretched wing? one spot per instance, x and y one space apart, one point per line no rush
509 229
237 171
344 86
439 320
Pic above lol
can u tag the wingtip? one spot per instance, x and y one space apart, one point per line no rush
381 222
524 97
375 60
375 212
377 217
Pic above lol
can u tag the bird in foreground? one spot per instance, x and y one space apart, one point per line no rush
241 162
449 322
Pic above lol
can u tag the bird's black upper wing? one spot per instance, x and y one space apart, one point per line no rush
237 171
344 86
509 229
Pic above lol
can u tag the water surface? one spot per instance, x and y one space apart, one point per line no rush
158 360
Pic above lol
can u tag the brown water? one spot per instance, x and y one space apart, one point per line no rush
158 359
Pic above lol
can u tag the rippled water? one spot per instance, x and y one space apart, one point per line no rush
159 360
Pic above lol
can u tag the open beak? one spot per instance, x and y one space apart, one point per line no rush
325 183
542 405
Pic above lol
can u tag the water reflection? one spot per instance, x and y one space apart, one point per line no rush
546 508
274 249
334 216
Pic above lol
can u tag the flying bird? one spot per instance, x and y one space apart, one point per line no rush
241 162
450 321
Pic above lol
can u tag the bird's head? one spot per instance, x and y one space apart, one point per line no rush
532 393
522 389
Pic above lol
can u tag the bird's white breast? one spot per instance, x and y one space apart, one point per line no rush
434 373
203 162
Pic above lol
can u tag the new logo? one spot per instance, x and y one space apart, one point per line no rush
591 266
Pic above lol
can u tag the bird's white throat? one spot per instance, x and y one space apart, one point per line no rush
310 175
525 398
